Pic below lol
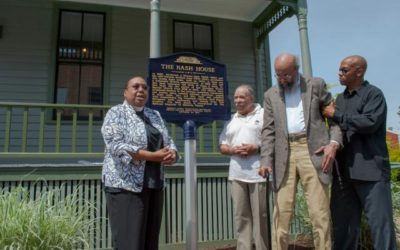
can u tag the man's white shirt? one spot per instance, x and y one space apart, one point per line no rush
244 130
294 108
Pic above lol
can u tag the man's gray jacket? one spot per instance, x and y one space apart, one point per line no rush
275 143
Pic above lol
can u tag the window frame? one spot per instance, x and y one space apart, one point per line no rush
174 48
80 62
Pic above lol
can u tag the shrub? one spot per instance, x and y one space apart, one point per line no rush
395 175
365 237
394 153
47 222
396 198
301 211
302 237
396 209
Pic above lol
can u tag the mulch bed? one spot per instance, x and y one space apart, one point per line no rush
228 247
300 242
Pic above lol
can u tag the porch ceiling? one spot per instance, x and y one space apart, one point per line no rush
243 10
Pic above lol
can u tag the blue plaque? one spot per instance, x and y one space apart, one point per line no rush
187 86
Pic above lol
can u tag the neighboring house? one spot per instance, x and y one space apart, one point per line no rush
392 138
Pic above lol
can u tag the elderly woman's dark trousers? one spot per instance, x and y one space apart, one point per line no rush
135 218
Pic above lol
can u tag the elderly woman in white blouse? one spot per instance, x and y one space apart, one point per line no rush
137 148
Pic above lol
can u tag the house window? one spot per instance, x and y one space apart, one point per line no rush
80 58
193 37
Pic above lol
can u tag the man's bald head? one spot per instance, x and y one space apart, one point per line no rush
286 60
351 71
286 69
357 62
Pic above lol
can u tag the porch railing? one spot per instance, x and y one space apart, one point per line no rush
40 130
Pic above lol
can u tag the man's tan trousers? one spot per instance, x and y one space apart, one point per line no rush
317 196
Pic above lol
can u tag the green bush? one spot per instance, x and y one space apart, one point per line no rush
365 241
396 199
47 222
396 209
301 211
395 175
394 153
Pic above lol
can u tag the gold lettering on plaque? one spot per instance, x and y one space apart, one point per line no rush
188 93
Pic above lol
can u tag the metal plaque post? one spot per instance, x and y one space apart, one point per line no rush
189 130
177 75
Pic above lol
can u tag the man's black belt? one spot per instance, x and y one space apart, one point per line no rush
296 136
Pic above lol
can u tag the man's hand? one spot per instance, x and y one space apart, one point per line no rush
329 155
264 171
329 111
242 150
245 150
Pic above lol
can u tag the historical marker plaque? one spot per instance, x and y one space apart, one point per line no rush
187 86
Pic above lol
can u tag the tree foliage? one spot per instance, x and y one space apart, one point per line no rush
394 152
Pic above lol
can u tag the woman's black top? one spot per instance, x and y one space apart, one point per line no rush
153 173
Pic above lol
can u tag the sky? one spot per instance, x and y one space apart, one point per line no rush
340 28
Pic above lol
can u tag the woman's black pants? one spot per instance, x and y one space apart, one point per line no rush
135 218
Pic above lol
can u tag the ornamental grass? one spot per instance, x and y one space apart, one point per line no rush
49 221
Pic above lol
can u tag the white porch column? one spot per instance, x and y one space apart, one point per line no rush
304 43
154 28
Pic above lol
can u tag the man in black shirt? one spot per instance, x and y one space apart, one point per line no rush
362 182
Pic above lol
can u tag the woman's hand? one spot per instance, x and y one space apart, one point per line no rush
164 155
170 158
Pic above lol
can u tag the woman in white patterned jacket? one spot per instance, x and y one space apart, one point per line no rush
137 148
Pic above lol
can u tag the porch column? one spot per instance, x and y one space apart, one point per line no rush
301 14
259 79
263 66
154 28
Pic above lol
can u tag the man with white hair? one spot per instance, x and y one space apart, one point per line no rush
241 139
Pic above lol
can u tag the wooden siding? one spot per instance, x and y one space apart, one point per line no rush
25 50
236 50
129 48
30 31
27 57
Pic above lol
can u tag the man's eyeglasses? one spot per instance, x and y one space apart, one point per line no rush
283 76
